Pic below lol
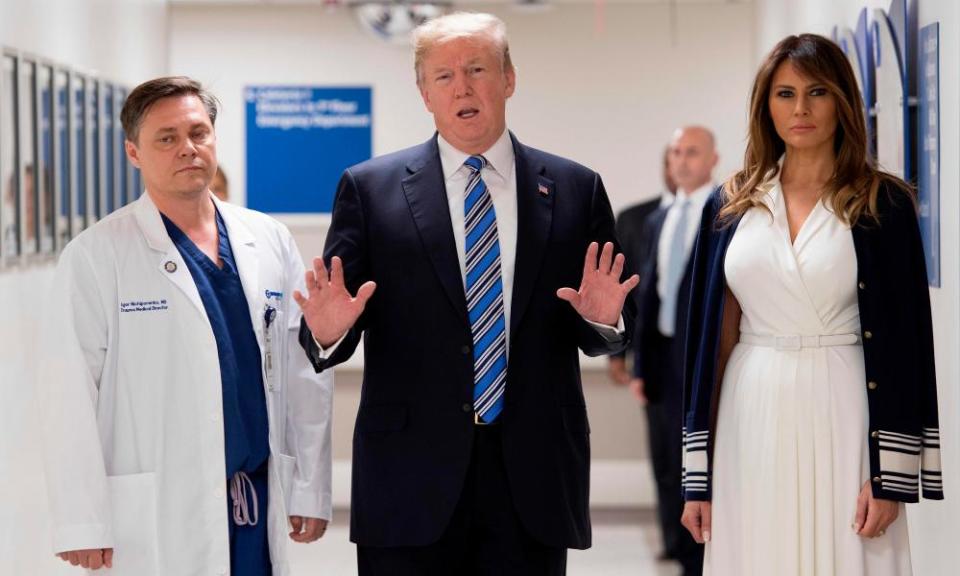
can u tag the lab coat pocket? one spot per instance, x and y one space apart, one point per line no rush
133 499
285 468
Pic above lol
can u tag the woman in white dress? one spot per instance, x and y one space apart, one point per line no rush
811 311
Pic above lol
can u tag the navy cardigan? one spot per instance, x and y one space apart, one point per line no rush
897 335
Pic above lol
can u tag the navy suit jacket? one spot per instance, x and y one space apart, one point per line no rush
633 233
657 359
414 430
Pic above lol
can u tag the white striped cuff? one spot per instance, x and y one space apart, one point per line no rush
931 477
905 459
899 463
695 476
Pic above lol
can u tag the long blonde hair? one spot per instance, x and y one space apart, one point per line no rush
852 190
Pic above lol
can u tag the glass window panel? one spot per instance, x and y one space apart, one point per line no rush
65 197
81 208
96 191
109 148
9 146
125 167
44 174
30 208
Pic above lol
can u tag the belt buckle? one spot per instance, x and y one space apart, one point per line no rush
477 421
789 343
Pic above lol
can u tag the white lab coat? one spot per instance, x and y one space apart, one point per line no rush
130 397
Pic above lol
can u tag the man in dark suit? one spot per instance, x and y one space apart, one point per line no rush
635 239
471 450
659 343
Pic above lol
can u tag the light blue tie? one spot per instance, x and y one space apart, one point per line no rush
484 296
676 262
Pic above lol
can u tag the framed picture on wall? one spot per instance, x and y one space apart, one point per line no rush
44 174
94 149
83 212
9 161
62 160
110 148
62 165
28 115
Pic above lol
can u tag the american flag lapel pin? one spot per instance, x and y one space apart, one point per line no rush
542 189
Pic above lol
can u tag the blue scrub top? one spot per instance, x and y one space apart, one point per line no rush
245 424
246 431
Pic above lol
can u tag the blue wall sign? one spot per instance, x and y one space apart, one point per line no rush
928 182
300 139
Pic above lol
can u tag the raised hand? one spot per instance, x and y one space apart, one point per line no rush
328 307
601 294
93 559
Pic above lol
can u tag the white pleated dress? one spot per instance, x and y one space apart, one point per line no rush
791 437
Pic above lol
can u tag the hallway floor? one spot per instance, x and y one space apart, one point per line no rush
625 543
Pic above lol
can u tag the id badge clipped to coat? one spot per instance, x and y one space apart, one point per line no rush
269 354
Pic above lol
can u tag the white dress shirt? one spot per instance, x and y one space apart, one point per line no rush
696 201
500 176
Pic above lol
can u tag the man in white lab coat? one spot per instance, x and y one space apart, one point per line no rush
184 430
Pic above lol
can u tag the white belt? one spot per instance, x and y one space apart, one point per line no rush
796 341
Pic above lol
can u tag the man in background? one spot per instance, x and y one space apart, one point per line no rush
635 240
659 345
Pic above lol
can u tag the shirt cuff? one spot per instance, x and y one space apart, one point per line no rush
609 333
81 537
328 352
310 504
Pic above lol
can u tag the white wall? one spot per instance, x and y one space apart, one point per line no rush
123 41
934 530
608 99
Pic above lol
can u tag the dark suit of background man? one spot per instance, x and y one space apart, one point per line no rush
659 345
635 236
471 452
635 239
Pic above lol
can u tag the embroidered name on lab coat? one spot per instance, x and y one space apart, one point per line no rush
273 294
144 306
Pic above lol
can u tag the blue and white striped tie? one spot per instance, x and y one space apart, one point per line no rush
484 296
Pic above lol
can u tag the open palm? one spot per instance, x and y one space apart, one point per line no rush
601 294
328 307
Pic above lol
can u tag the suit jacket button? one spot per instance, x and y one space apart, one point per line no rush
872 385
467 407
867 334
465 349
862 285
874 434
876 479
